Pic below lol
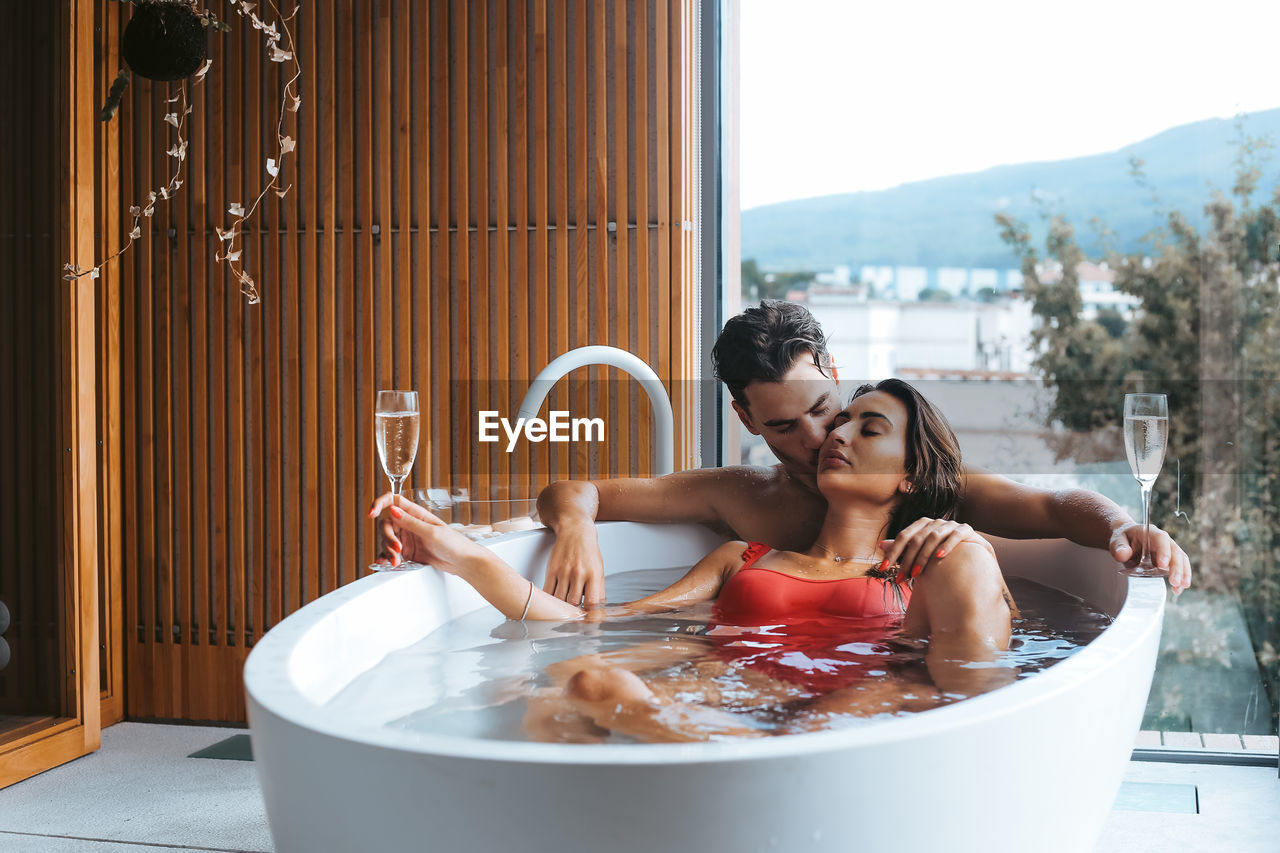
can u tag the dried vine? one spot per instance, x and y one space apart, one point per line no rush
291 101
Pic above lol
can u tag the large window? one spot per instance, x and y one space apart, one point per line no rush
1034 210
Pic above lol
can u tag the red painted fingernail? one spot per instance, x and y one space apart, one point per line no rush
916 569
942 552
395 546
884 566
397 511
372 511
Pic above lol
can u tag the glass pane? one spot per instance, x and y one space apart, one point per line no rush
1034 214
35 682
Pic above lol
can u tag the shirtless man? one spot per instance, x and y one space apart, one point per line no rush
774 360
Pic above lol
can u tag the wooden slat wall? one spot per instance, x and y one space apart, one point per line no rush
479 187
108 217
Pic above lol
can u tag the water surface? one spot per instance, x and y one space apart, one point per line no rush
481 676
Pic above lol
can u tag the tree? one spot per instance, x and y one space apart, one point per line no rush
758 285
1207 334
1113 321
753 284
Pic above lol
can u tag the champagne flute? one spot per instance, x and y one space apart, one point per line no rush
1146 433
397 434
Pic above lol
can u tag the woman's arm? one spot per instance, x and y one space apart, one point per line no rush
429 539
701 583
964 613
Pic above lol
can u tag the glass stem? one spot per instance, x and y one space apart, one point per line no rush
396 484
1146 525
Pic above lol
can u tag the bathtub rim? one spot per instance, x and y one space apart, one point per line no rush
1140 615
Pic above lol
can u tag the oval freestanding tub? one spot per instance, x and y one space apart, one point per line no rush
1031 766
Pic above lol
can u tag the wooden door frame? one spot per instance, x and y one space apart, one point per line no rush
106 150
78 731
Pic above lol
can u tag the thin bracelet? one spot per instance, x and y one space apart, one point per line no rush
527 602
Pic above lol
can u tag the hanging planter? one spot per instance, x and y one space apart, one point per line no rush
167 41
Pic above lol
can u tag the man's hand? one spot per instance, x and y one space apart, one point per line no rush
925 541
1126 547
575 569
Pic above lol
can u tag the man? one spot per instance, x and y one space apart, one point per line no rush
774 360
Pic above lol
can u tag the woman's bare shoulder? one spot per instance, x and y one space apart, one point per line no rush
728 557
973 557
970 566
732 548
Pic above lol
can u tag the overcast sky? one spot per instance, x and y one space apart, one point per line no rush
854 95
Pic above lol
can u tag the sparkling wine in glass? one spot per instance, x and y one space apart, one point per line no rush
1146 433
397 435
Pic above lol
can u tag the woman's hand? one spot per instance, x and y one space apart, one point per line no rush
926 541
407 531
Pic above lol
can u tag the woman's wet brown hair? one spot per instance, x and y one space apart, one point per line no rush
932 462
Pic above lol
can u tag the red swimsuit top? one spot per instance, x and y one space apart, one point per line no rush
819 635
756 595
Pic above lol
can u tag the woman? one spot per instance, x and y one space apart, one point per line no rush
889 459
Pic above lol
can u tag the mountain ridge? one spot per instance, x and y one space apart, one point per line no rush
949 220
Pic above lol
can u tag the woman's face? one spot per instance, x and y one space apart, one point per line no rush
865 453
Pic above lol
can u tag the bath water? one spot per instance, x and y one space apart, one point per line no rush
481 676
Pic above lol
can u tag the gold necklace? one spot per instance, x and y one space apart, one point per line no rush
840 558
889 574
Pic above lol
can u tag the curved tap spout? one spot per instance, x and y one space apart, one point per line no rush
663 420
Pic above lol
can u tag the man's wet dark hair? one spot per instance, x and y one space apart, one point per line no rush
765 341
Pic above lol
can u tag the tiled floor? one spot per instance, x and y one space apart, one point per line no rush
140 793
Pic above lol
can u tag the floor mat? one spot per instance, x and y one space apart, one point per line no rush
234 748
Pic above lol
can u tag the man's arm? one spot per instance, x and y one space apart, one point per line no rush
572 507
997 505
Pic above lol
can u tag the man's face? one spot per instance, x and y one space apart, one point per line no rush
794 414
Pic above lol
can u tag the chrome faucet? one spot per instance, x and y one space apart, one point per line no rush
663 420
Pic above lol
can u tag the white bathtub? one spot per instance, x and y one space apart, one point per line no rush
1031 766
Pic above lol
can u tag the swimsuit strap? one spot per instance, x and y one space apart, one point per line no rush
754 551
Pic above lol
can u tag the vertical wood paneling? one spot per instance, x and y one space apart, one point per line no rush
575 263
109 238
344 223
318 127
540 327
500 281
481 205
478 187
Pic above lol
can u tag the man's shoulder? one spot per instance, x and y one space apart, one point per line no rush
752 474
741 479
